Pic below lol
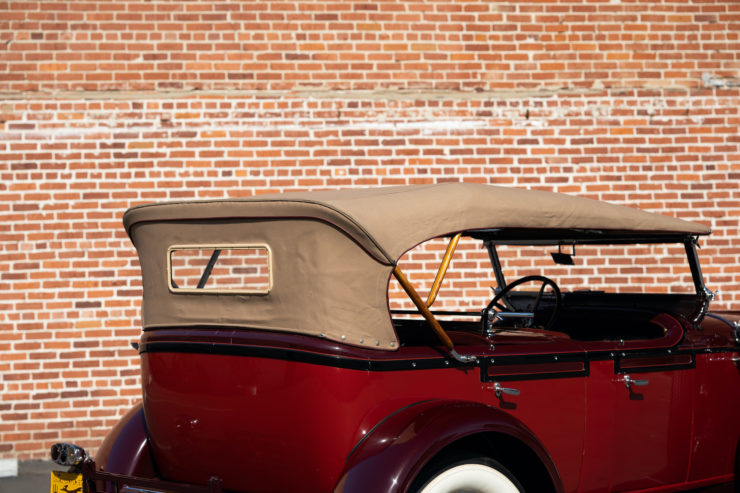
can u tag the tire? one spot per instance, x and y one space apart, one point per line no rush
474 475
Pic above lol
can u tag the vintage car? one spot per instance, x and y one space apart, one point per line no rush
277 356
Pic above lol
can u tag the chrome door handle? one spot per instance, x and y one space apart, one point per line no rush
498 390
629 382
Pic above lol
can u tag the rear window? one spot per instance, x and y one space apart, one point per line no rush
238 269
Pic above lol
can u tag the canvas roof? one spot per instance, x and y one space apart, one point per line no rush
323 283
389 221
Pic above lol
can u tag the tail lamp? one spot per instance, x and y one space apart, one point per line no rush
66 454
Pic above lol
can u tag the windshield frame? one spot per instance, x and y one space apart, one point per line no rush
493 238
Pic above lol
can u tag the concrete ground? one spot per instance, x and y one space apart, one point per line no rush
33 477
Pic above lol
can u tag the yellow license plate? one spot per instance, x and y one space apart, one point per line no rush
66 482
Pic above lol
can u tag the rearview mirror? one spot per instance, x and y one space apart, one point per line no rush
561 258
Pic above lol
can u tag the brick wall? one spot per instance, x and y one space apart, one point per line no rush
108 104
165 45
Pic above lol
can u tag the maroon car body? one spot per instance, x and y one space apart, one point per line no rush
569 390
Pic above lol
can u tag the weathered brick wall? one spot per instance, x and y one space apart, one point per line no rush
110 104
145 45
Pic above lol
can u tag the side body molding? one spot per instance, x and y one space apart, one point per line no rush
125 450
392 454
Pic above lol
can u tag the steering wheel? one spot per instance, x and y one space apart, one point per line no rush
488 319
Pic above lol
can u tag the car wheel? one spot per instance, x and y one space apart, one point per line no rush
477 475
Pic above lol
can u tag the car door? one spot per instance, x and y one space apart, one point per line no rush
653 403
716 443
639 417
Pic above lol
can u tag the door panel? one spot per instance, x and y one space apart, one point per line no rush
600 436
654 404
717 410
547 394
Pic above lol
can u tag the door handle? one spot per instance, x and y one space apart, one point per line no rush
498 390
629 382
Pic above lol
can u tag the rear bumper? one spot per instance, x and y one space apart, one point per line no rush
95 481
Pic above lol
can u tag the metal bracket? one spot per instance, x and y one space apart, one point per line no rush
706 295
463 358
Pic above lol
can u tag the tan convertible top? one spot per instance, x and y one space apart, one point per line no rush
323 284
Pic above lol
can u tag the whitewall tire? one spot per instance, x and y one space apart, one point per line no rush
472 476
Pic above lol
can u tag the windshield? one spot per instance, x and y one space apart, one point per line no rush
641 268
468 285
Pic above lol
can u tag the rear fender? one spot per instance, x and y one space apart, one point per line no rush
392 454
125 450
